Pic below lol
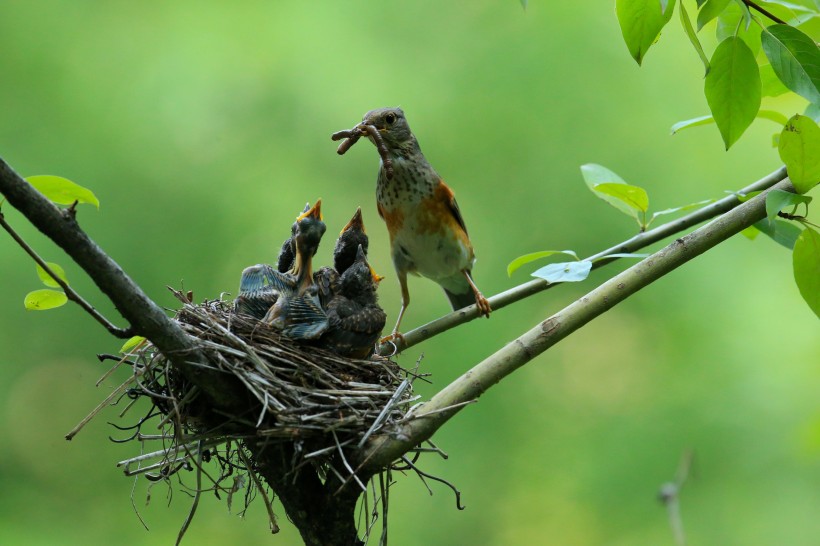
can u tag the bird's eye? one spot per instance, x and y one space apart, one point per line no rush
390 118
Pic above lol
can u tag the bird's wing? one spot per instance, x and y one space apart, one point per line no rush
446 194
305 319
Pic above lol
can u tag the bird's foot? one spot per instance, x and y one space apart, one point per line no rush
396 339
483 305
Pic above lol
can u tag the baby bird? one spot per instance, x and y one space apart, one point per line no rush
291 297
356 320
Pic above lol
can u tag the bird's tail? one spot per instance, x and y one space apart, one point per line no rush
462 299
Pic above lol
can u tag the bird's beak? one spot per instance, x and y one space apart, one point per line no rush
314 212
376 277
355 222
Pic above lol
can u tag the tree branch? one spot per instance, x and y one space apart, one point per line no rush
444 405
145 317
122 333
764 11
639 241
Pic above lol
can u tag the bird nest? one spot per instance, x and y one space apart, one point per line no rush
317 402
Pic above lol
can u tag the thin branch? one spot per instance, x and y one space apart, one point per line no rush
764 11
145 316
383 449
639 241
123 333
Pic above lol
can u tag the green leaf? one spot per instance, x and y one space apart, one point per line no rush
527 258
693 37
694 122
771 86
679 209
733 21
634 196
564 272
709 10
745 13
131 343
800 150
46 278
777 200
43 299
597 176
806 263
750 233
771 115
732 88
641 23
62 190
795 59
813 111
783 232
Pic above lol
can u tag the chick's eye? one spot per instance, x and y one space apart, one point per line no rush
390 119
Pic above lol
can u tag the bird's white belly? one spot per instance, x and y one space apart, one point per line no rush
434 255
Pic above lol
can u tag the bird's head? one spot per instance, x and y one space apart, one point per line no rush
309 231
391 125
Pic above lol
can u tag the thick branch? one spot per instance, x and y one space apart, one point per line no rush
475 382
638 242
145 317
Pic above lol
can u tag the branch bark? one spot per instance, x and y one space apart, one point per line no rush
638 242
443 406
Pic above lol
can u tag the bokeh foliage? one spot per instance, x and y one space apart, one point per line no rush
203 128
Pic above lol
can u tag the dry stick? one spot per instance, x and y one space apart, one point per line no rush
274 525
145 317
639 241
123 333
429 417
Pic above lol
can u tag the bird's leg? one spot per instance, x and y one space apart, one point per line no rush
481 302
405 301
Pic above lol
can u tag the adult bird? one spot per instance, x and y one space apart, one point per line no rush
355 319
427 232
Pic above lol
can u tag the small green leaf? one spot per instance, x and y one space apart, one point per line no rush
709 10
131 343
732 88
777 200
634 196
771 86
564 272
694 122
693 37
750 233
800 150
597 176
806 263
783 232
745 13
46 278
745 197
43 299
527 258
641 23
690 206
62 190
795 59
771 115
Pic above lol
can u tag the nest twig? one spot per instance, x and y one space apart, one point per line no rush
323 404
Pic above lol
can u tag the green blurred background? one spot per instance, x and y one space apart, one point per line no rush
203 128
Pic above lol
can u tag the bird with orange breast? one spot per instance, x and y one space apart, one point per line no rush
428 236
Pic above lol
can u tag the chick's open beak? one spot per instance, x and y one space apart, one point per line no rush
355 222
314 212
